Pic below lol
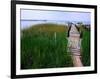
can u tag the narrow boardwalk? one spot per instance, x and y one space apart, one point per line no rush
74 45
77 61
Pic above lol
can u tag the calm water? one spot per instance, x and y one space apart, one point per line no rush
26 24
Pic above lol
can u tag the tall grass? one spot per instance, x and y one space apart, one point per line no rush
85 45
86 48
40 50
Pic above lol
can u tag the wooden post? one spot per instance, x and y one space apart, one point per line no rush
55 36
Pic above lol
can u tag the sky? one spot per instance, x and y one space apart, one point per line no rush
55 15
60 17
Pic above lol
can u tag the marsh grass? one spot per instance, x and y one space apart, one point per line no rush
86 48
40 50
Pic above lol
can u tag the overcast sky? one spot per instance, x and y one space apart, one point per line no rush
55 15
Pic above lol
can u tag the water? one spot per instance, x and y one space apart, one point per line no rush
26 23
